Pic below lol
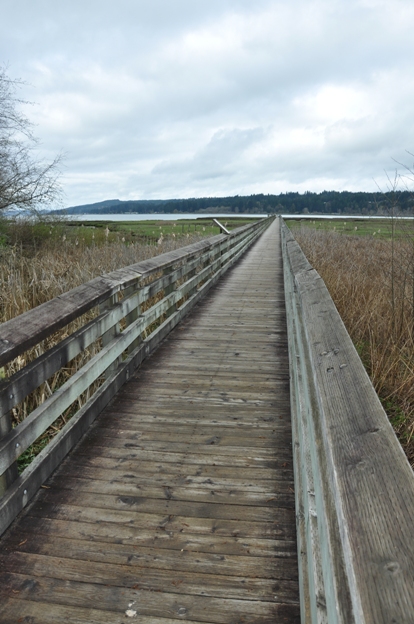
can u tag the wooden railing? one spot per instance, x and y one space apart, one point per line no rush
354 485
132 311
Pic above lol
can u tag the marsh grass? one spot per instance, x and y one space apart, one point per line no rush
35 273
378 228
371 281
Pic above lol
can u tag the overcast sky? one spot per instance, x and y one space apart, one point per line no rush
187 98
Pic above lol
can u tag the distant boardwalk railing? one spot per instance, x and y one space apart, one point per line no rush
136 307
354 486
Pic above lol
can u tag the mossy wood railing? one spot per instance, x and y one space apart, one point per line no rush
134 310
354 486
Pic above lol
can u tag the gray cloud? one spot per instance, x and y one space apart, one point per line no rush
153 98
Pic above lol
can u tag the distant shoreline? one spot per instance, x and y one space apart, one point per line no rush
339 203
161 216
176 217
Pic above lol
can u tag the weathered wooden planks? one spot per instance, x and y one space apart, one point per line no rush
179 502
355 488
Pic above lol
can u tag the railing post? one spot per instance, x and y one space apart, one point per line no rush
114 331
11 474
133 316
168 290
189 275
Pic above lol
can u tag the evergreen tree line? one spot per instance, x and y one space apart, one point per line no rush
327 202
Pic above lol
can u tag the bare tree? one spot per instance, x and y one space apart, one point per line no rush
25 182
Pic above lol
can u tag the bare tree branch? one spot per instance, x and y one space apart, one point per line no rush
24 181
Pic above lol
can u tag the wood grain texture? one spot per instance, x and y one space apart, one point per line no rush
362 487
180 499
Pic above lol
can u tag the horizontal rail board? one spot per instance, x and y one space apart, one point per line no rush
34 374
29 328
354 485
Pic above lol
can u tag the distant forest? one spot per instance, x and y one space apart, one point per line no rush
327 202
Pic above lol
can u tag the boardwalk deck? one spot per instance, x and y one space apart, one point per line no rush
179 504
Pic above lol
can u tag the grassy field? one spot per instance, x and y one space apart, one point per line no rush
149 232
33 236
378 228
371 280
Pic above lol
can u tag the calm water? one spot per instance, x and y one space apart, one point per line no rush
158 216
194 215
341 217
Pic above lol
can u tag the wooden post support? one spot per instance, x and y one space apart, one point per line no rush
132 316
114 331
168 290
11 474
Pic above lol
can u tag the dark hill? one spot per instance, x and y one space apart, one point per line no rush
327 202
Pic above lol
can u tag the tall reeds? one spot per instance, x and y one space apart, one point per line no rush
29 278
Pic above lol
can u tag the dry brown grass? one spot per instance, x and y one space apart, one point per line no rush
372 284
29 279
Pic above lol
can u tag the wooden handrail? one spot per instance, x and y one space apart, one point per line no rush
354 486
135 308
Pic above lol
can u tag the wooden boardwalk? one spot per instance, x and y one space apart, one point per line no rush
179 504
